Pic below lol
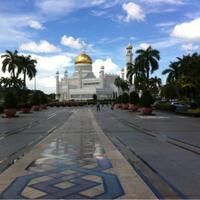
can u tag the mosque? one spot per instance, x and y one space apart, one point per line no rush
83 84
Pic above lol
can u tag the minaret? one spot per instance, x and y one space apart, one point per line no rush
129 54
122 74
57 86
102 76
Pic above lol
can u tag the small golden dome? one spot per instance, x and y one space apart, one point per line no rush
83 59
129 46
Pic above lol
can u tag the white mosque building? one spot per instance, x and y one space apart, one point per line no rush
83 84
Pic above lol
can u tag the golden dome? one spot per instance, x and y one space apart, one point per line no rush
83 59
129 46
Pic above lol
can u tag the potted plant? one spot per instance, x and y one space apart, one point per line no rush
35 101
25 105
10 104
125 99
118 102
134 101
146 101
43 101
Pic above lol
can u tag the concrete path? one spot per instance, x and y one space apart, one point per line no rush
17 135
76 161
163 148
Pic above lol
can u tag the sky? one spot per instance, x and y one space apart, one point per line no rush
55 31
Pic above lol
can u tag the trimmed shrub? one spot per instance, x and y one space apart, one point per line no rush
134 98
35 98
43 98
10 100
146 99
125 98
165 106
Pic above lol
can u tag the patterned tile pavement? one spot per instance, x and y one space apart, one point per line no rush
75 162
61 175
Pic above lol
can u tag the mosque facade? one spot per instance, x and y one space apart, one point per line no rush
83 84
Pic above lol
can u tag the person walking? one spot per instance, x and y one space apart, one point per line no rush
98 106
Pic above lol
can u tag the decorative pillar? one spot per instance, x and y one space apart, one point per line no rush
102 76
57 86
129 54
122 74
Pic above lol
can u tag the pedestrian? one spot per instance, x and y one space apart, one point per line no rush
112 106
98 106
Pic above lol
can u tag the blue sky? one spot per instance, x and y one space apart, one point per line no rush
55 31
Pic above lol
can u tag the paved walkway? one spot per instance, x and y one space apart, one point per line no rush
75 161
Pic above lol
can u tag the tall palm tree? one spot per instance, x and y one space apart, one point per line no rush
131 71
173 71
27 67
148 59
10 62
121 84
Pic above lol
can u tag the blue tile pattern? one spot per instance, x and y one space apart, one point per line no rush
111 184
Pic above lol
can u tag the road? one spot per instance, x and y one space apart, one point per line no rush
19 134
164 149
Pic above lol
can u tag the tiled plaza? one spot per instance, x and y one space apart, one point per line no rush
77 161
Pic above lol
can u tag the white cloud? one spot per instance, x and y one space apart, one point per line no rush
72 42
108 64
189 47
144 46
165 24
12 29
165 1
187 30
46 69
36 25
42 47
63 7
134 12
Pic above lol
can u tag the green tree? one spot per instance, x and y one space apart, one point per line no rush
27 66
173 72
147 61
10 62
121 84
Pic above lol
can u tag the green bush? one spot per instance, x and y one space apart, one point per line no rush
194 111
125 97
10 100
134 98
119 99
146 99
165 107
35 98
43 98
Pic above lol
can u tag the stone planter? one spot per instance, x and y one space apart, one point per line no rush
10 112
147 110
133 107
25 110
118 105
125 106
43 106
35 108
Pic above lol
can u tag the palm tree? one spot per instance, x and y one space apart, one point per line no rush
121 84
27 67
12 82
173 71
130 72
10 62
147 60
